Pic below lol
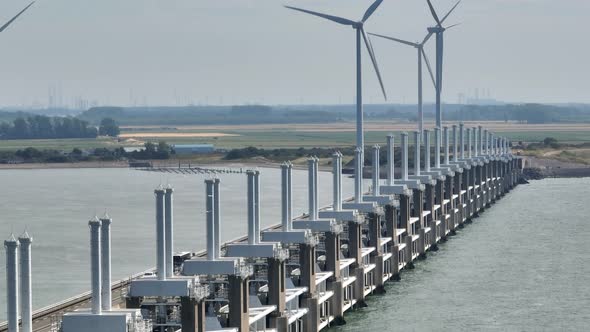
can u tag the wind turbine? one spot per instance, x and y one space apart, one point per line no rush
439 30
360 34
421 54
14 18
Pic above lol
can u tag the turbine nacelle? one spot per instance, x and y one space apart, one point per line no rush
358 25
437 29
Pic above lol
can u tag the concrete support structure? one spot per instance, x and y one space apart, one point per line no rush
105 248
239 306
332 244
26 298
276 293
160 235
193 314
210 216
169 230
95 266
11 246
377 254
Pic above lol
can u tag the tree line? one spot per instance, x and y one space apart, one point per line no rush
40 126
151 151
44 127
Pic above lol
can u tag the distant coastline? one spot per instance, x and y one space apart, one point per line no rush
537 168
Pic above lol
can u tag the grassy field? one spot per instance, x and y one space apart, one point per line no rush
58 144
292 136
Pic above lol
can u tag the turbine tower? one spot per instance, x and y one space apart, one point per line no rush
439 30
421 54
360 37
15 17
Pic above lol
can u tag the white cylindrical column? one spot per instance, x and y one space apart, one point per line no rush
160 235
486 144
311 188
475 142
251 208
446 139
11 246
358 175
95 265
257 206
210 215
290 201
455 145
427 150
340 181
105 262
462 140
285 197
316 207
437 147
492 141
337 180
390 160
376 170
169 229
404 156
505 145
216 217
417 148
480 141
494 150
468 133
26 282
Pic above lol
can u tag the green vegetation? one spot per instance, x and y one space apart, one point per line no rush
108 127
537 136
523 113
260 114
204 115
551 148
40 126
150 151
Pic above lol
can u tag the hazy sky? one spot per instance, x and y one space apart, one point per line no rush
244 51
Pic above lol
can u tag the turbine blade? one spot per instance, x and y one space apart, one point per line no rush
426 38
14 18
452 26
450 11
394 39
336 19
374 60
429 68
371 10
433 13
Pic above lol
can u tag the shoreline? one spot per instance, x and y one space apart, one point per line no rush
539 168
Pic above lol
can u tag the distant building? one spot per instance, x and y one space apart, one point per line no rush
194 148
